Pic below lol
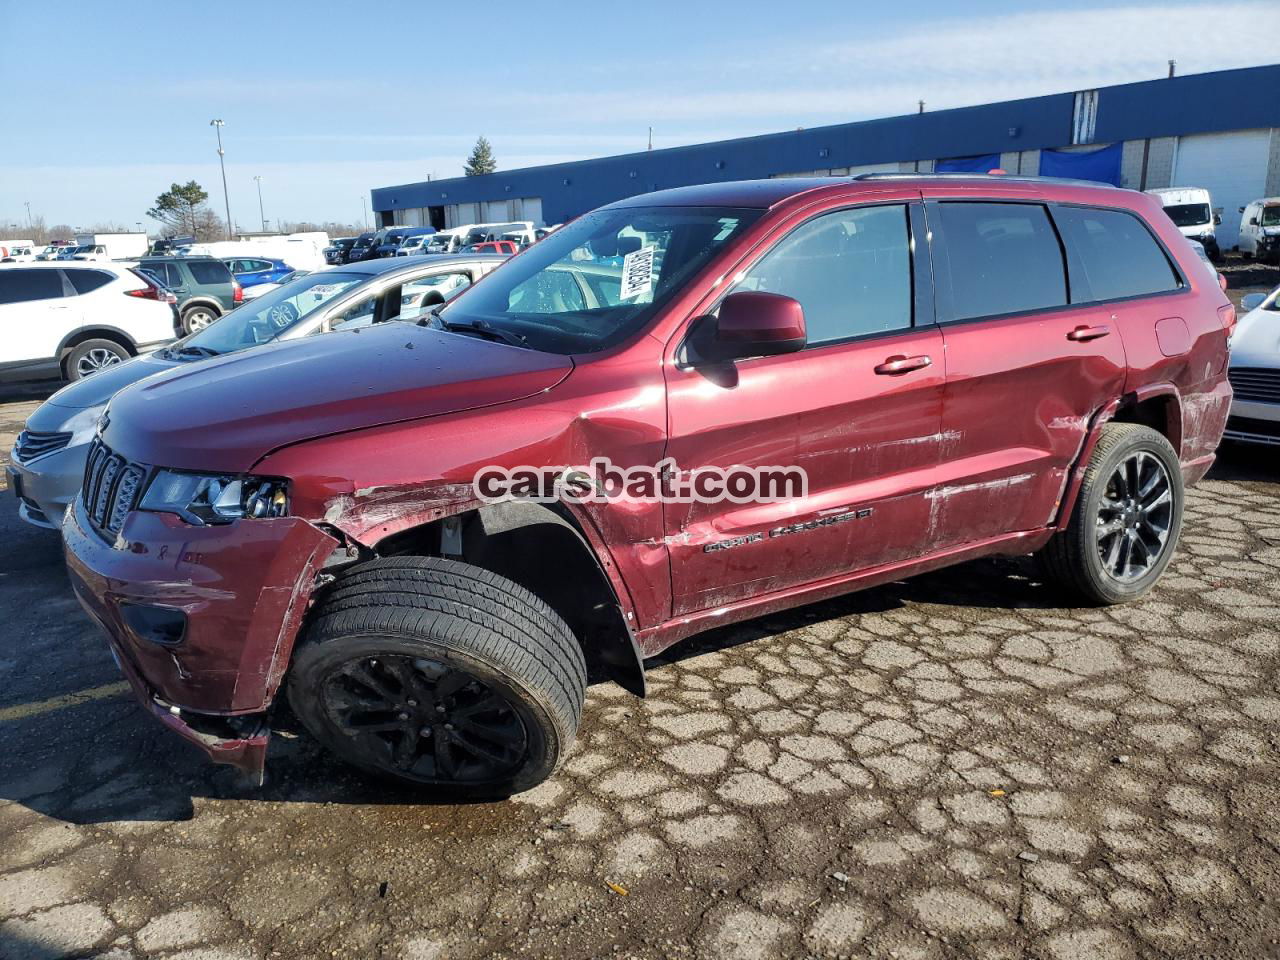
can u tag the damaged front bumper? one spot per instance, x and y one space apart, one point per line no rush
201 619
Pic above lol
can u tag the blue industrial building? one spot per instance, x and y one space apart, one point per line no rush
1217 130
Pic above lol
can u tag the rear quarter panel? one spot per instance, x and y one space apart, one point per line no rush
1177 347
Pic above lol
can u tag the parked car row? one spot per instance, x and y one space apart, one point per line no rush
510 238
49 456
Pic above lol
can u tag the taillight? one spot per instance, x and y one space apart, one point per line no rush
152 290
1227 315
237 292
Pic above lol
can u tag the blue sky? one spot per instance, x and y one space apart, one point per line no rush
105 105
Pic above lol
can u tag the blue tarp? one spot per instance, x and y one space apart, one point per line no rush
983 164
1102 165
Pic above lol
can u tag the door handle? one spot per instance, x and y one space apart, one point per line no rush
900 364
1089 333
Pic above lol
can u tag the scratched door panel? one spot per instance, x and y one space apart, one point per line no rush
867 441
1026 370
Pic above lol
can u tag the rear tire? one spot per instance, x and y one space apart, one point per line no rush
92 356
1125 524
440 674
197 318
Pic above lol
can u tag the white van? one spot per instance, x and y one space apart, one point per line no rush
1260 229
1191 210
488 232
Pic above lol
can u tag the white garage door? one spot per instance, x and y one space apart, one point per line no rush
1231 166
531 209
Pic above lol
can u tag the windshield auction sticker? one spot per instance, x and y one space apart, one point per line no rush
637 273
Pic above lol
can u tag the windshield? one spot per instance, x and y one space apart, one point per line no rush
271 314
1271 216
1188 214
592 284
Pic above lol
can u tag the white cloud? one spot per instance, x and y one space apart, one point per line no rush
856 73
948 63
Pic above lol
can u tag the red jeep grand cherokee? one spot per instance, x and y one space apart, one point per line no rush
962 366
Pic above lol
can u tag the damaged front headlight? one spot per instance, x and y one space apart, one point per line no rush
201 499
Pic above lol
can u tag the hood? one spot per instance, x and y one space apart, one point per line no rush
226 413
96 390
1256 341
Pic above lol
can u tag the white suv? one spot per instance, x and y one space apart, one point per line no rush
73 319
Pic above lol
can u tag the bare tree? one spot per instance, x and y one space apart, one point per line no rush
208 226
34 231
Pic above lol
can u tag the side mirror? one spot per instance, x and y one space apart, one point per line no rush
1217 218
757 324
1251 301
1253 221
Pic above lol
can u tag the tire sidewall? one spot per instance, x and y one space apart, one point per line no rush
1114 590
83 349
313 662
187 318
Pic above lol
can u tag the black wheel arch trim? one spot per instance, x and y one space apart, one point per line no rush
98 331
218 309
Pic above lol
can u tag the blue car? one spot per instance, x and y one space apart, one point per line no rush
251 271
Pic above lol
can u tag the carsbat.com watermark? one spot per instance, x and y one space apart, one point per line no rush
602 481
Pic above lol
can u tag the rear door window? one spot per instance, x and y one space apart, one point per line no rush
86 280
1002 258
166 273
1117 255
209 272
23 286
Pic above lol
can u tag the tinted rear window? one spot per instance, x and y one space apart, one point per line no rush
1119 256
167 273
86 280
209 272
1004 258
19 286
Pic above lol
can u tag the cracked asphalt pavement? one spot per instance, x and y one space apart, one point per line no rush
955 765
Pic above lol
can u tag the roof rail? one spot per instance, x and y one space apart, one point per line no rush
1019 178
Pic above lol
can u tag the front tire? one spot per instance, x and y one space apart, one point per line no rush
1126 521
441 674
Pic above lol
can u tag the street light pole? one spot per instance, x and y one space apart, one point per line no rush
226 199
28 203
261 216
364 214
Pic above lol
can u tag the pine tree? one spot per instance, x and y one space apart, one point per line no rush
481 160
179 207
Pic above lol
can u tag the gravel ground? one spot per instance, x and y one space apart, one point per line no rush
950 766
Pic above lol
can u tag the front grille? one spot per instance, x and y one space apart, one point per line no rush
112 487
1252 429
33 443
1255 384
